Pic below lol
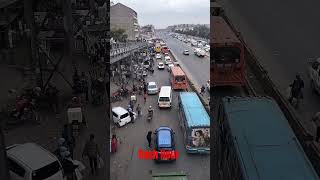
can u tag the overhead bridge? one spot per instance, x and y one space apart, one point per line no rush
120 51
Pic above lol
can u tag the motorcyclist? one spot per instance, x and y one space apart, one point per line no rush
150 111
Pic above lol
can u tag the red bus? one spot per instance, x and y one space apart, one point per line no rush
178 78
227 67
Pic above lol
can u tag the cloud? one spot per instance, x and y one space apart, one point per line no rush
163 13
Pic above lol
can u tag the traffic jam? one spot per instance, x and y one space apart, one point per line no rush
155 114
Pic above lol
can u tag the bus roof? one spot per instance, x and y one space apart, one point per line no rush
265 142
222 32
177 71
195 113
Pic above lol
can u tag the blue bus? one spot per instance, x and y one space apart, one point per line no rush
195 123
255 141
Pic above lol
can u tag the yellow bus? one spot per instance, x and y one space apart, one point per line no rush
158 48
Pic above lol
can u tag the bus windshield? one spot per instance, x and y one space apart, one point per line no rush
180 78
200 137
225 55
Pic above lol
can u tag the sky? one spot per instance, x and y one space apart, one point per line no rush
163 13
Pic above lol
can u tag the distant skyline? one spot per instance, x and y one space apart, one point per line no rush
164 13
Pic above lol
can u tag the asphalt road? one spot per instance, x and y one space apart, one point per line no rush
125 163
198 68
283 35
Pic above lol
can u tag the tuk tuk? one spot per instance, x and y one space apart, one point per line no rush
169 176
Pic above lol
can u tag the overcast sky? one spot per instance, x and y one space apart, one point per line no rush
163 13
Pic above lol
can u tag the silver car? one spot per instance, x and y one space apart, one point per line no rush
152 88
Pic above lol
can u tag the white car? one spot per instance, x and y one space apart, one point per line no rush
167 60
199 52
186 52
121 116
160 65
166 54
30 161
170 65
152 88
158 56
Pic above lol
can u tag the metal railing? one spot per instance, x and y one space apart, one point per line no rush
119 51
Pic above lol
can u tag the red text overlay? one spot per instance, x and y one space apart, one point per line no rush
158 155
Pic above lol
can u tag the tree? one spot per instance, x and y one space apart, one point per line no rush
119 35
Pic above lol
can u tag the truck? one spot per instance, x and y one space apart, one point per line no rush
169 176
314 74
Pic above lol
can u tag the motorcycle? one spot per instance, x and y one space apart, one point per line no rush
27 113
150 115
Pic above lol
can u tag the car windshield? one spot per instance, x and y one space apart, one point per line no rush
152 86
165 99
224 55
124 115
46 171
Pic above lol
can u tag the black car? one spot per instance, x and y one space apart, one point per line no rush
165 145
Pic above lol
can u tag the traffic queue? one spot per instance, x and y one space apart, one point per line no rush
193 117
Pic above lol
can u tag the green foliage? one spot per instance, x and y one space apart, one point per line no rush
119 35
199 31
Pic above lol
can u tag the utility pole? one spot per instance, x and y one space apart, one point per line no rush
31 34
67 9
4 171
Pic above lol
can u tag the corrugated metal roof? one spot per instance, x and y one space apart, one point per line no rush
265 141
195 112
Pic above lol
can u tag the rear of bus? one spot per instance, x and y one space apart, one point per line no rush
178 79
165 97
195 123
198 140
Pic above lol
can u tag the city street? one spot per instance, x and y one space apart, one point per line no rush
196 67
125 163
283 40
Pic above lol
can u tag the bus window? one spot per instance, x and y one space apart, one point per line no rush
180 78
226 55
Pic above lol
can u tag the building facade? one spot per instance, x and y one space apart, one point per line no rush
123 17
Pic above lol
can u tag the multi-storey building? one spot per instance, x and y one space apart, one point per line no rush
123 17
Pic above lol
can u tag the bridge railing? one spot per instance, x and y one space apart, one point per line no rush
119 51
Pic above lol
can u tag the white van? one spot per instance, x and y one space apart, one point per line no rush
30 161
167 60
165 96
121 116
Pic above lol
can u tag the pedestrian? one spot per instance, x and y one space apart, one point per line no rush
114 143
139 110
131 116
84 85
202 90
145 97
316 121
149 136
68 166
296 90
91 150
67 134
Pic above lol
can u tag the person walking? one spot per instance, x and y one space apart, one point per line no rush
296 90
68 166
316 121
131 116
84 85
149 138
69 138
139 110
114 143
92 151
145 97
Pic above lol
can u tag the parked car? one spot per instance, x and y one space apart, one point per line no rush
152 88
186 52
160 65
158 56
164 141
30 161
121 116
